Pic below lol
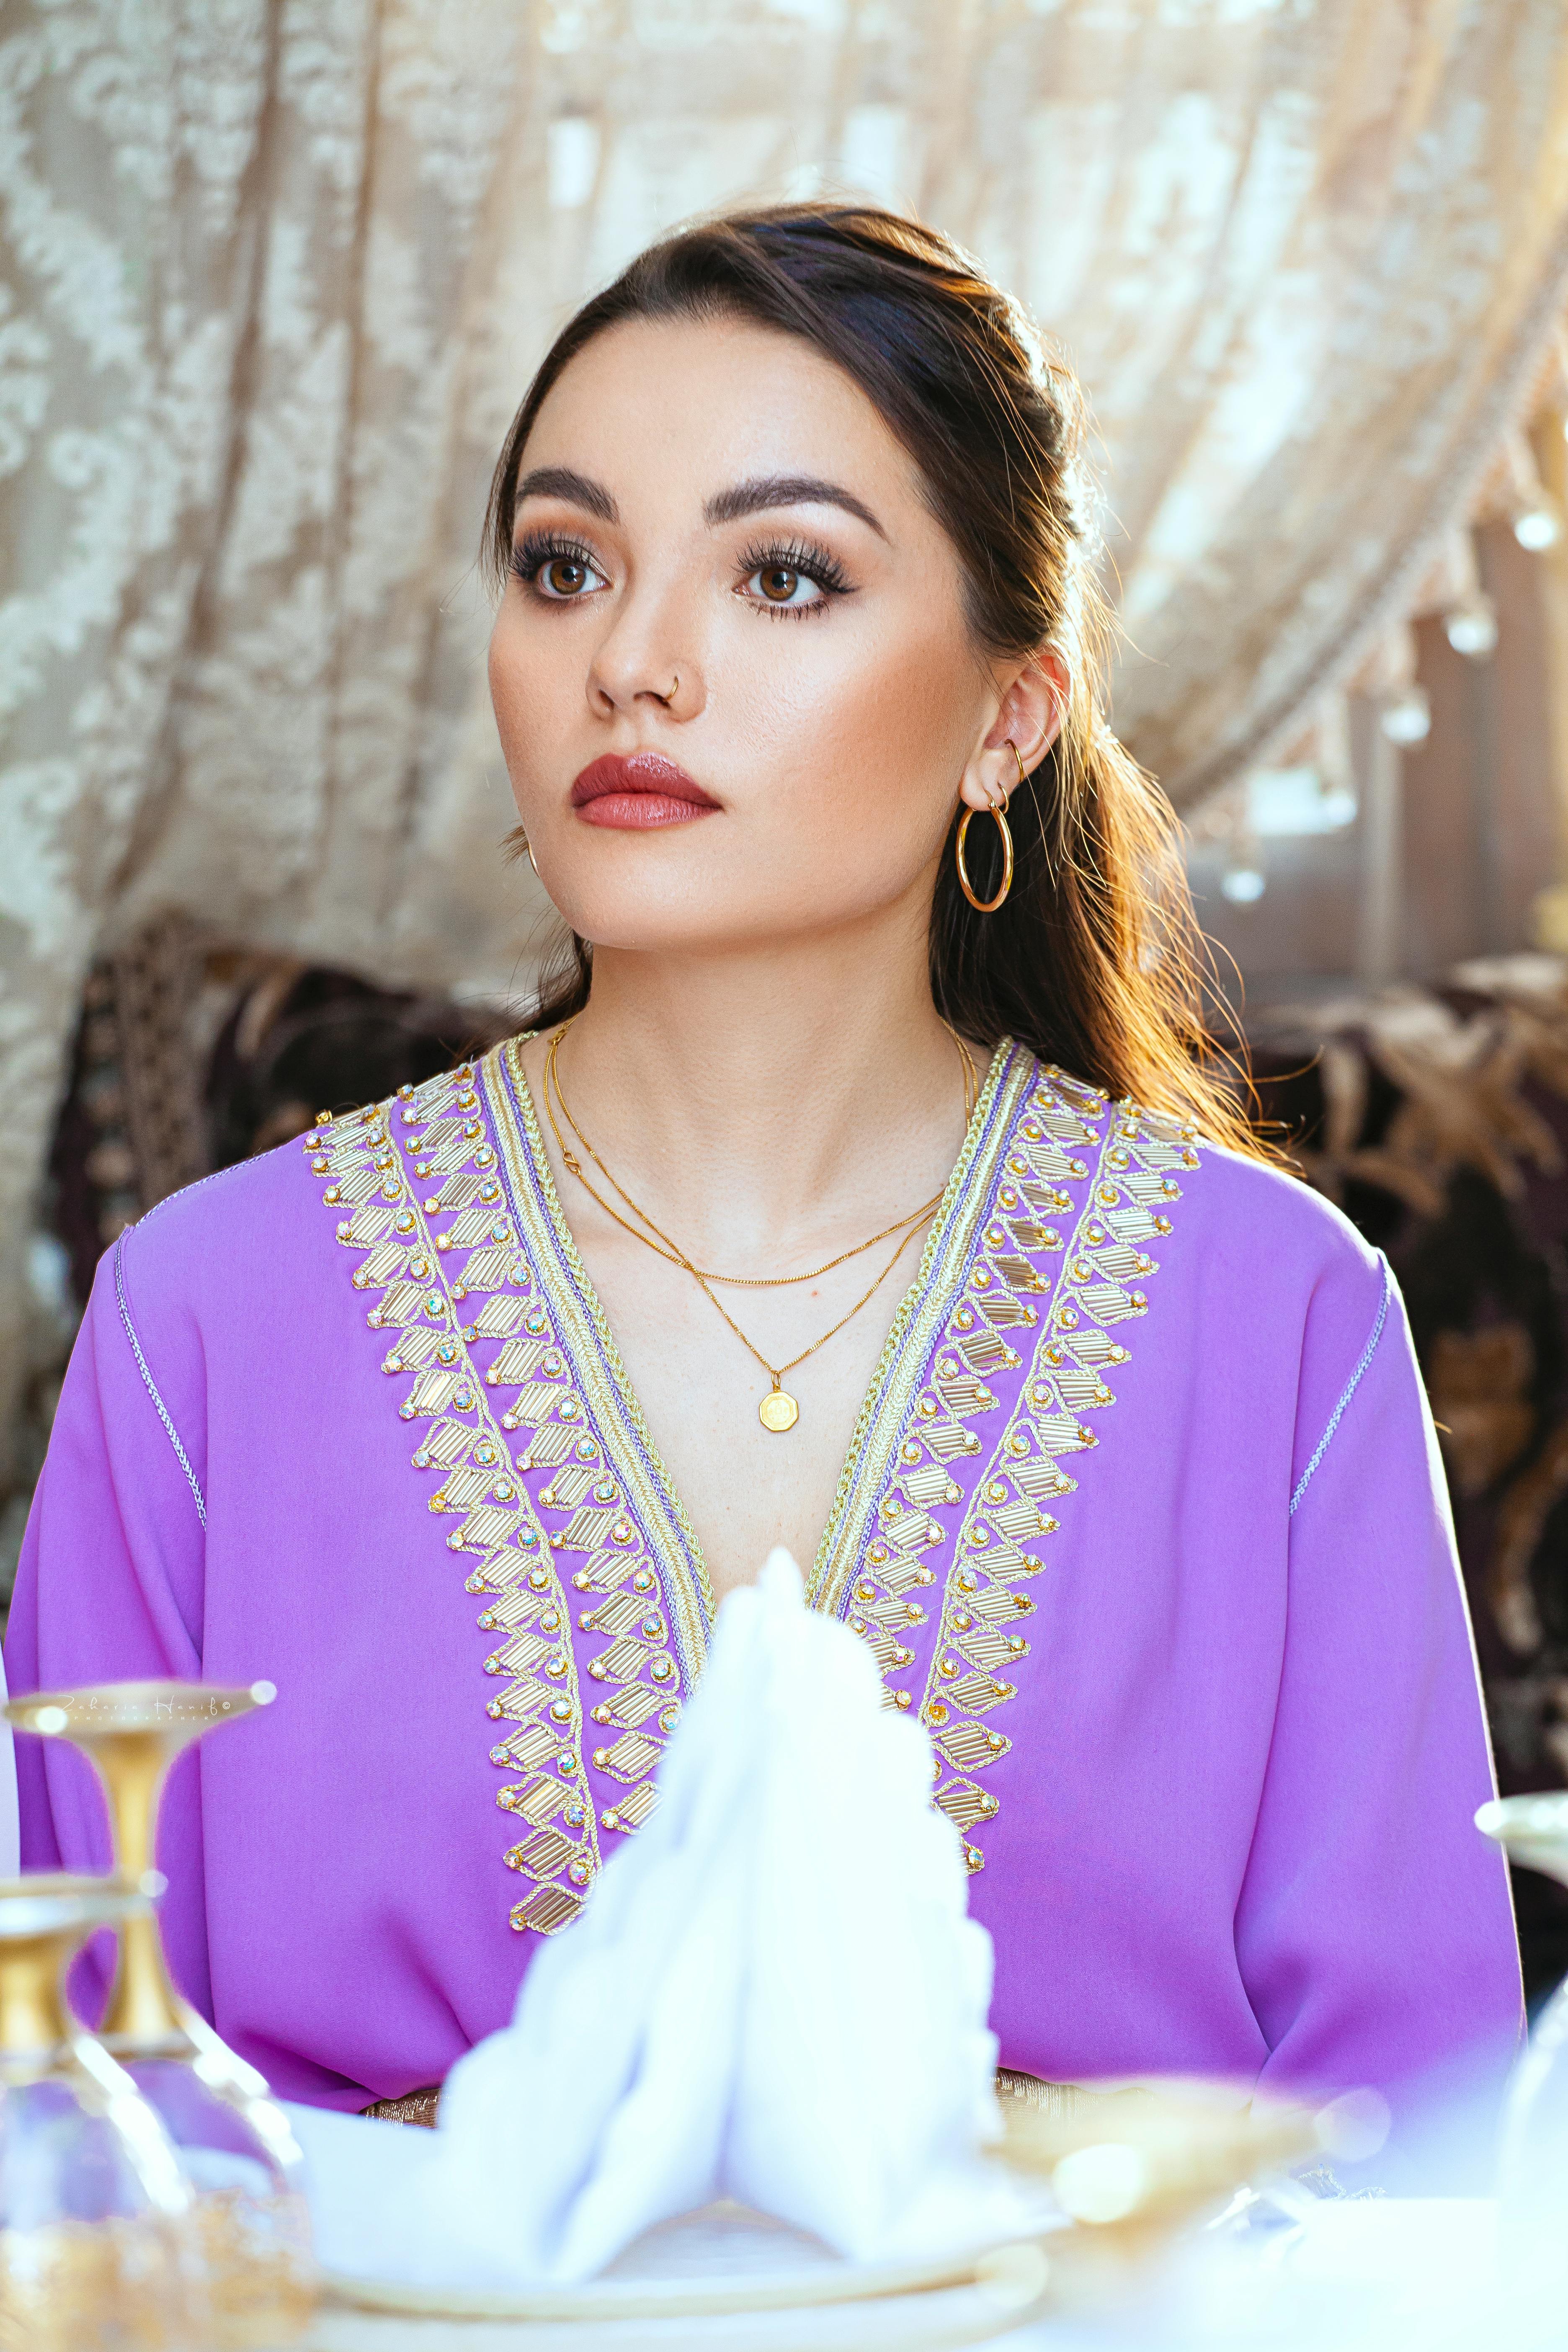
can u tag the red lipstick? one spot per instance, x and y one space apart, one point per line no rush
637 791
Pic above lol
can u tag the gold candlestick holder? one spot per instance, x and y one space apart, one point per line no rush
234 2141
96 2249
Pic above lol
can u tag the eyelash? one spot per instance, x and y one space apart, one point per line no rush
814 563
537 549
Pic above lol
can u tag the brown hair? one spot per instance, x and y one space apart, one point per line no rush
1095 959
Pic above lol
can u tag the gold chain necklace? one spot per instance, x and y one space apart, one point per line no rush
778 1411
670 1251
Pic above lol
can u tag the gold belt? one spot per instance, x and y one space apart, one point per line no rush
1050 2098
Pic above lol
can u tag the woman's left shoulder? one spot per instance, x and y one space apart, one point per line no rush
1279 1268
1260 1208
1256 1214
1231 1242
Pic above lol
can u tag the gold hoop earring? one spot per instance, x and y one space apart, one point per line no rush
984 906
998 810
532 859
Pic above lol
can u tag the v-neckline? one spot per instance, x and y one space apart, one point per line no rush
587 1337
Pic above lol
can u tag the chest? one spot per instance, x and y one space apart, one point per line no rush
742 1486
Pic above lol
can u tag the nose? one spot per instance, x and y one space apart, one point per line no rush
646 656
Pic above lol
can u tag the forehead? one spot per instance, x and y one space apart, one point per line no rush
686 406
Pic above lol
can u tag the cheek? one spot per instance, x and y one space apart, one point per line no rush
527 690
508 695
872 735
924 706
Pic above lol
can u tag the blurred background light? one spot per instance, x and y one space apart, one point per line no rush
1290 802
1537 527
1244 884
1407 717
1471 627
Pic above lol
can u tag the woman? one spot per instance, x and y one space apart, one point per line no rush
1131 1490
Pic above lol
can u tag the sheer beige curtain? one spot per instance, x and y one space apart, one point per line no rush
277 271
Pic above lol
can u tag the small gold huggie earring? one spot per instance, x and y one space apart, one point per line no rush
532 859
998 814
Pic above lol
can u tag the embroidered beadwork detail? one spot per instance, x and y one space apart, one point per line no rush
1035 1262
440 1309
1048 1205
1080 1189
917 1325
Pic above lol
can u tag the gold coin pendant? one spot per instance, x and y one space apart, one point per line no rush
778 1411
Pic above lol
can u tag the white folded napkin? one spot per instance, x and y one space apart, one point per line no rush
775 1996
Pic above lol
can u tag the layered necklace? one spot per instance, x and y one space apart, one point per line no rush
778 1410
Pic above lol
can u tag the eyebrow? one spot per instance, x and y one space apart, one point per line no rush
785 491
562 482
754 497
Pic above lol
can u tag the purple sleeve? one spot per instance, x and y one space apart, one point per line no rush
1374 1929
109 1584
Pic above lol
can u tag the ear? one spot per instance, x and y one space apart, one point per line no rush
1030 715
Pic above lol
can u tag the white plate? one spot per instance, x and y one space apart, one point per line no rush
690 2280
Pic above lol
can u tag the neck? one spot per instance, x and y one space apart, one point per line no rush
760 1097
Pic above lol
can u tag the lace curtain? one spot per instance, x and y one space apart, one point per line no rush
277 270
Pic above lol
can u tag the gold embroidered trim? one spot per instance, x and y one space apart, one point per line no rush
1082 1299
608 1385
421 1296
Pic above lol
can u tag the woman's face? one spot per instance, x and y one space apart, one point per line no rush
734 683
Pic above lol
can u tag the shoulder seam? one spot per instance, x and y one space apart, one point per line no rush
1348 1390
151 1385
184 1192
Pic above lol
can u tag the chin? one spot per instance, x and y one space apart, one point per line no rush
691 889
657 922
648 891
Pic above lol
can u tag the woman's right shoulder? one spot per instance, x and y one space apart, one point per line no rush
255 1255
234 1245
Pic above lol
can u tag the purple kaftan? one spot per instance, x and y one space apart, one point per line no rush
1143 1519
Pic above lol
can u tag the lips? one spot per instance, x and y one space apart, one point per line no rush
638 791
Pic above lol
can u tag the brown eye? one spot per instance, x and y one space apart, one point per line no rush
564 576
784 583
